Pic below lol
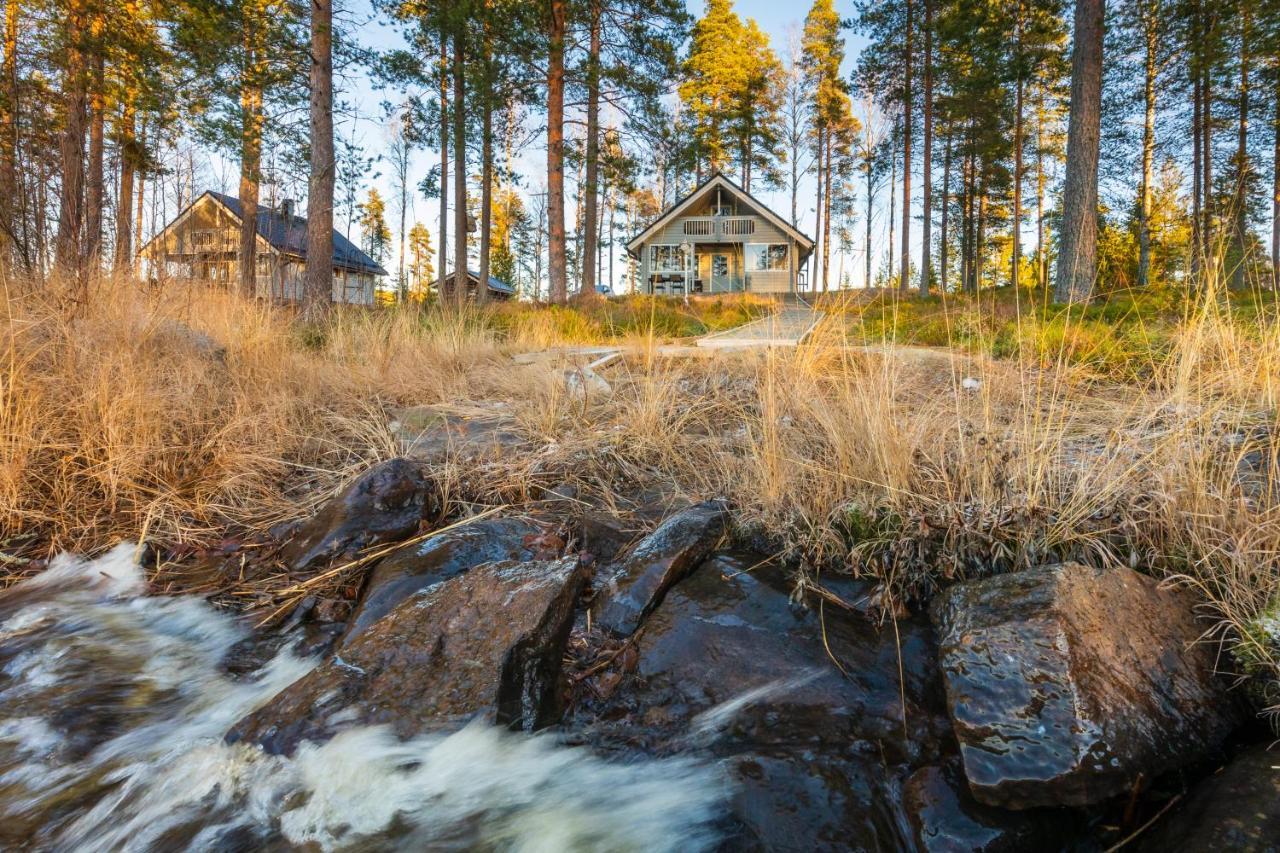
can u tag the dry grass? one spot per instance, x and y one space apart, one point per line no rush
122 420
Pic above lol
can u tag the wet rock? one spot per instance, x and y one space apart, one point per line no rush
1236 809
728 658
604 536
383 504
488 642
416 567
1065 683
943 816
636 584
433 434
810 802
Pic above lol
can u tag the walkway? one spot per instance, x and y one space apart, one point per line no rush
787 328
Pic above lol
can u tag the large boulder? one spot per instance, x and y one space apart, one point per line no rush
633 586
730 660
1065 683
942 816
384 504
418 566
1236 809
489 642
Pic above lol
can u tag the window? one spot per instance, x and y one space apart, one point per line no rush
666 259
719 265
763 257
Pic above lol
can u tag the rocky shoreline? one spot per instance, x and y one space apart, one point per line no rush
1057 708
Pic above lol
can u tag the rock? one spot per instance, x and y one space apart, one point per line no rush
1064 683
383 504
583 383
943 816
1236 809
604 536
488 642
635 585
728 659
433 434
810 802
416 567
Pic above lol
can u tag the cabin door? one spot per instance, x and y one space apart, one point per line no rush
721 280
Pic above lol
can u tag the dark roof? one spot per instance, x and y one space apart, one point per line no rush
289 235
494 283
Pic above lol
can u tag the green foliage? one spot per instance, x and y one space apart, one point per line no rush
373 226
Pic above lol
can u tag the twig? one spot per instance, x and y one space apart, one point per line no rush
1144 827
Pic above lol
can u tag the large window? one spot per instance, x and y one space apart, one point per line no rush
766 257
666 259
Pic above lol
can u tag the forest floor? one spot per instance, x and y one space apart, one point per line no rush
914 442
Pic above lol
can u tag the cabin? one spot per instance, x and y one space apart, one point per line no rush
720 239
498 289
203 243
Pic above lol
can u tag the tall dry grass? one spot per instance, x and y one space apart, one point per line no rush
172 415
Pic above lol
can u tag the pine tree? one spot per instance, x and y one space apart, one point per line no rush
373 226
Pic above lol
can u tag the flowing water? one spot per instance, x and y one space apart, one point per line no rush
113 707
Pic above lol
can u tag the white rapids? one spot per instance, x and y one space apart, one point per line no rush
113 707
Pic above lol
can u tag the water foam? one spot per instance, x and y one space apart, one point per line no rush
113 706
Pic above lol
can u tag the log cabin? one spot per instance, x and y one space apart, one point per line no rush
720 239
203 243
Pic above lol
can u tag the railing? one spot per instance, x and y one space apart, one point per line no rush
739 227
699 227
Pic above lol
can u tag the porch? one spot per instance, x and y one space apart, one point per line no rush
719 267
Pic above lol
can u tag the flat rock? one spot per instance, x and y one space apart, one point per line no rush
943 816
635 584
1236 809
433 435
383 504
487 643
729 660
1064 683
810 802
418 566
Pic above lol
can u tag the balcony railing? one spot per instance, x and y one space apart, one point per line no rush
699 227
739 227
705 226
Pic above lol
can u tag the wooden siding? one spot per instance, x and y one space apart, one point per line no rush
673 234
205 245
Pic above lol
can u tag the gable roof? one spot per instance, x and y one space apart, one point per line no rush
495 284
288 234
719 180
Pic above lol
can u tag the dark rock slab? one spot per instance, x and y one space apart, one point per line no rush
636 584
1064 683
383 504
729 659
418 566
811 802
1236 809
432 434
943 816
488 642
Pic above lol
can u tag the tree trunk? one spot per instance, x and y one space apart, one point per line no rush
870 202
444 163
1148 143
893 195
555 153
1197 192
318 291
1241 201
71 199
124 198
946 204
1016 254
1077 259
926 233
818 274
1042 180
1208 205
250 151
486 177
591 237
826 223
979 242
1275 195
904 280
460 170
9 138
95 183
142 193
